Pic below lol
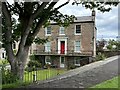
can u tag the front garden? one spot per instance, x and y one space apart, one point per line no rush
32 73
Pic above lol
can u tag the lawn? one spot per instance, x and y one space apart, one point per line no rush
40 75
112 83
1 62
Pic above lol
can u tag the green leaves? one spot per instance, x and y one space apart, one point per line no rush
103 6
40 41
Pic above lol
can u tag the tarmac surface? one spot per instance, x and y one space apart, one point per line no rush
83 77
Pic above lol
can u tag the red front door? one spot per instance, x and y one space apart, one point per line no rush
62 49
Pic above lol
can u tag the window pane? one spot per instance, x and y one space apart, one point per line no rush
62 60
62 30
48 60
77 43
48 30
78 29
77 46
48 47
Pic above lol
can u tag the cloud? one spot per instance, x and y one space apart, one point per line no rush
106 23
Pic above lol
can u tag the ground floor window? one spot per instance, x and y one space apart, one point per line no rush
62 60
77 61
47 59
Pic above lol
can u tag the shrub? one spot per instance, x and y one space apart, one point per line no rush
7 76
71 66
47 65
100 56
32 65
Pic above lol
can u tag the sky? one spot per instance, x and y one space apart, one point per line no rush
106 23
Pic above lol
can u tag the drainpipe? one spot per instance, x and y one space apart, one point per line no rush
94 34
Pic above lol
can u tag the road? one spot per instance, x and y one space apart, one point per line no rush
83 77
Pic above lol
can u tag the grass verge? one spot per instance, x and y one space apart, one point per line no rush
112 83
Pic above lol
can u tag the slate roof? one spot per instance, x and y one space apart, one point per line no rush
80 19
84 19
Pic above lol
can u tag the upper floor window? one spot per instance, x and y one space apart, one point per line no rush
77 46
48 31
77 29
48 47
62 31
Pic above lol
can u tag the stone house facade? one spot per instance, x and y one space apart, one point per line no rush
72 45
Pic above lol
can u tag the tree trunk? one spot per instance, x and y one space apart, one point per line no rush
18 66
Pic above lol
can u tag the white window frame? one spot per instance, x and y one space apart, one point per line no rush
46 47
75 30
46 30
60 30
75 50
75 60
46 62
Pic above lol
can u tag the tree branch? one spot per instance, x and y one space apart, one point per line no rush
39 9
62 5
8 32
18 6
43 18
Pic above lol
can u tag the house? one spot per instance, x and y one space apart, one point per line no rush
2 53
72 45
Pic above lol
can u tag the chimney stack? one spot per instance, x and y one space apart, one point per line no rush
93 12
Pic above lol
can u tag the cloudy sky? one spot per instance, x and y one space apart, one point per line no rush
106 23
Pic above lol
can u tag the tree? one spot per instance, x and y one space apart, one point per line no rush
100 45
31 17
113 45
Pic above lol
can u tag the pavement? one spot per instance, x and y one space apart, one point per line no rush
83 77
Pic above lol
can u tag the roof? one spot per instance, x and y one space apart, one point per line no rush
80 19
84 19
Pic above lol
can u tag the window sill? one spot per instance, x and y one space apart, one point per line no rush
48 35
61 34
77 51
77 34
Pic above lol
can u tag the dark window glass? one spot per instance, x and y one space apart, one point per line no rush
78 29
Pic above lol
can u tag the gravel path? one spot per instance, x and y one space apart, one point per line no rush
83 77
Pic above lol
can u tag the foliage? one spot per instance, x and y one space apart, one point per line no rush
100 44
113 45
7 76
100 56
71 66
4 62
103 6
32 57
34 64
28 77
47 65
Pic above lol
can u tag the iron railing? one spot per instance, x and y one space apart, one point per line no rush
67 52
